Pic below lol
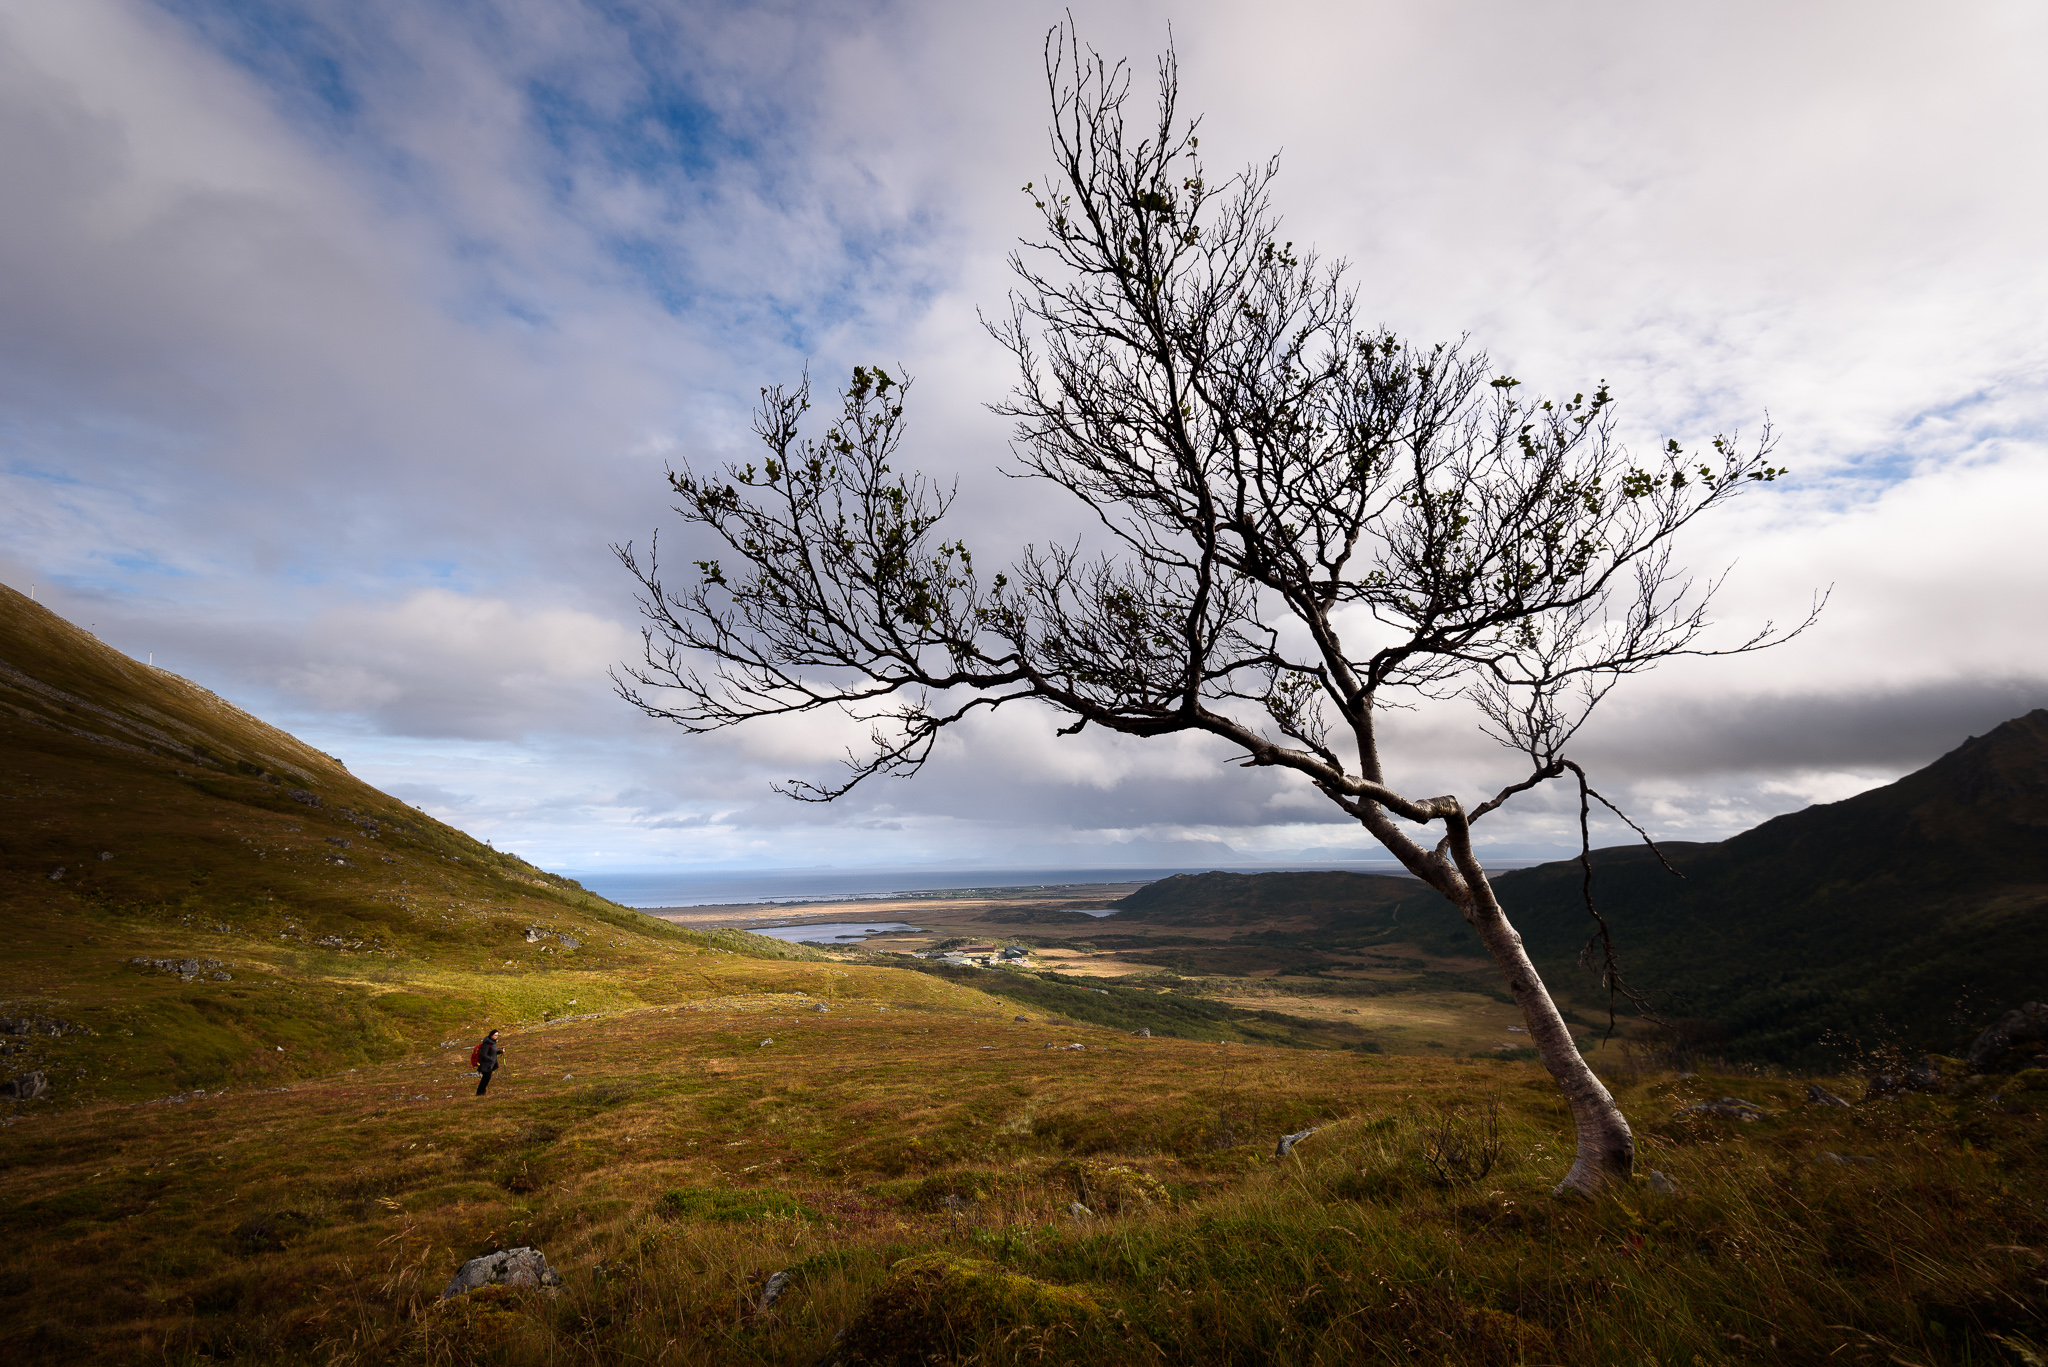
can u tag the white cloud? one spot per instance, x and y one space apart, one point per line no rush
441 663
334 397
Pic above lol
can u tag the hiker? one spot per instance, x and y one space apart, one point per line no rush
485 1056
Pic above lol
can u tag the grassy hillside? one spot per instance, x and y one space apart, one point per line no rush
302 920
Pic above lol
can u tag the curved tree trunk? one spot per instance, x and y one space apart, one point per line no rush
1606 1149
1606 1145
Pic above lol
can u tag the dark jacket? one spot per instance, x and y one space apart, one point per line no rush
487 1055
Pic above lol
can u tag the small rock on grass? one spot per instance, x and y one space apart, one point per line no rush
508 1267
27 1087
1288 1141
773 1291
1820 1096
1662 1185
1078 1211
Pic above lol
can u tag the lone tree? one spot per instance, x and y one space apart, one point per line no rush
1310 522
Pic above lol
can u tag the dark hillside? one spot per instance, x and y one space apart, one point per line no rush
1904 915
1330 900
1868 919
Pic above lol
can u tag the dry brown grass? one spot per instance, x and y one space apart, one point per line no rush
319 1223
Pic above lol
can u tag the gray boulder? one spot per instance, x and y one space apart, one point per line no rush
2021 1024
1730 1107
27 1087
1817 1095
508 1267
1924 1076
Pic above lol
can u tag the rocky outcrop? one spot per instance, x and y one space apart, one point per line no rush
2012 1043
187 970
27 1087
47 1026
507 1267
1932 1073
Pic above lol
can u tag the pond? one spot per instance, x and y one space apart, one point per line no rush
832 932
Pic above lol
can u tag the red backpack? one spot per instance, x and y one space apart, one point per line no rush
476 1055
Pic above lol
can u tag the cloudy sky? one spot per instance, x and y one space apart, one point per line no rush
338 340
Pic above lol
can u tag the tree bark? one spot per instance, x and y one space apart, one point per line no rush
1606 1146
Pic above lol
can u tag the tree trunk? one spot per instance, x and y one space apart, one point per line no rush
1606 1146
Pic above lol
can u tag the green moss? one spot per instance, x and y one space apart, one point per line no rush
1107 1188
939 1307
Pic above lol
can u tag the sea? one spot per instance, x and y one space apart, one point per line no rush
753 887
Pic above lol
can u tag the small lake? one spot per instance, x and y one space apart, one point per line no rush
831 932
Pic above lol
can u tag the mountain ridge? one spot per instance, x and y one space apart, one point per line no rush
1902 916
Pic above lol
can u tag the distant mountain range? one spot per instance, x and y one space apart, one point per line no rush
1908 914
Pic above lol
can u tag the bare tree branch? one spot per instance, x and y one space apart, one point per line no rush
1255 458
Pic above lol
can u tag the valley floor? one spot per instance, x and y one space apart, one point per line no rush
944 1182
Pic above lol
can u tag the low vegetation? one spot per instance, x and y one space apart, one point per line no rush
941 1186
